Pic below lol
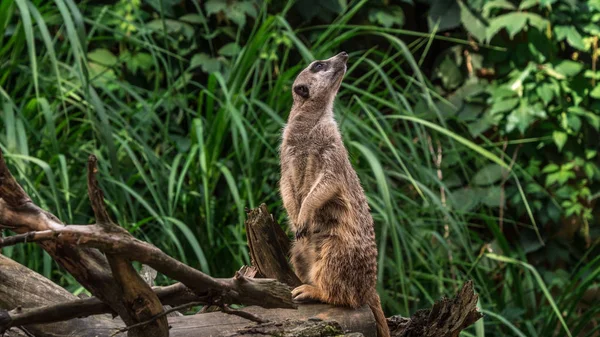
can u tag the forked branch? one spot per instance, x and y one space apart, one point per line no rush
20 214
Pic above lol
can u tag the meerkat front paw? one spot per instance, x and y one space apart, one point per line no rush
300 232
307 293
302 223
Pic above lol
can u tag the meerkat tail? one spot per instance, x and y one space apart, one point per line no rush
382 327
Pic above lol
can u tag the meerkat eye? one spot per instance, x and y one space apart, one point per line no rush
318 67
301 90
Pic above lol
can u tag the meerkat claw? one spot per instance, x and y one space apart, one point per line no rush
305 293
301 232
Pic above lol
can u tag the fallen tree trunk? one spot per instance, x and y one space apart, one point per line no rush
21 288
41 291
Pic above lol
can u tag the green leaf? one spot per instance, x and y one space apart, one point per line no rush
489 174
471 22
595 93
537 21
551 178
592 29
512 22
560 138
528 4
247 7
546 92
235 14
230 49
142 61
103 57
444 14
482 124
574 122
496 4
492 196
589 154
464 199
589 170
171 27
388 17
450 74
215 6
470 112
594 120
561 32
572 35
522 117
504 105
564 176
208 64
568 68
550 168
193 18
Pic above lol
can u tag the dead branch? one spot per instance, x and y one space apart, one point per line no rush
267 293
140 301
89 267
176 294
244 314
69 245
268 245
447 317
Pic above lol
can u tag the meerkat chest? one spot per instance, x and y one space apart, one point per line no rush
303 164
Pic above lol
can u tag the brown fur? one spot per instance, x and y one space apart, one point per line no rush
334 253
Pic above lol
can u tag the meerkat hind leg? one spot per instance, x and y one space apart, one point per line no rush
307 293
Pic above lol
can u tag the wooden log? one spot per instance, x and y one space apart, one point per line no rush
269 245
218 324
21 287
42 292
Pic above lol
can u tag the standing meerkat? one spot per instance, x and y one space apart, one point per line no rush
334 253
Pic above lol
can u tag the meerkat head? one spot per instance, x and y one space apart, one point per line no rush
320 81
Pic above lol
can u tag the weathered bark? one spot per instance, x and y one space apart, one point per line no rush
283 322
15 277
447 317
140 301
89 267
18 213
268 246
23 288
267 293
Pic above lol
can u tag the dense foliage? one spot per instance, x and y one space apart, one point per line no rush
473 125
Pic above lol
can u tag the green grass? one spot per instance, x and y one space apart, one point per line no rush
182 155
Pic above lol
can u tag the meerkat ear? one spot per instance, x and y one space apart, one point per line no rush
301 90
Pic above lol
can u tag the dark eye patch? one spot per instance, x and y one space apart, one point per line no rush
318 66
302 90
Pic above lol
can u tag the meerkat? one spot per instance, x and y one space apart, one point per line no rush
334 252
